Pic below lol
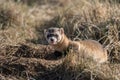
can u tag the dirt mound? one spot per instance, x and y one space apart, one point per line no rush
23 59
30 62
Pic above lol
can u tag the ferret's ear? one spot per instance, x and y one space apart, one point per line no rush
45 31
62 30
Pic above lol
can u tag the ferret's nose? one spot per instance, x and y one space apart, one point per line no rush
52 39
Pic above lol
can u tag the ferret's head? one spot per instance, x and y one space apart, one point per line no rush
54 35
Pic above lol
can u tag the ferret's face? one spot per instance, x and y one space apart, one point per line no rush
53 35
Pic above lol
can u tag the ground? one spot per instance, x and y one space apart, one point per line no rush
25 54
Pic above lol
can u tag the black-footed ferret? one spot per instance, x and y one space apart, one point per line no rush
89 48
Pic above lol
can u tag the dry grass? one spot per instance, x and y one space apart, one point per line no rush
23 22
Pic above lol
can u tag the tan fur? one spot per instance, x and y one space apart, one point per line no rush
63 44
87 48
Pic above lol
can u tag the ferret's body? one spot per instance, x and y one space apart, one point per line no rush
86 48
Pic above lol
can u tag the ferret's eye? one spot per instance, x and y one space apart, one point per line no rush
48 35
56 35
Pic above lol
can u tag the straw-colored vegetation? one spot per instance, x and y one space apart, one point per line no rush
24 55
